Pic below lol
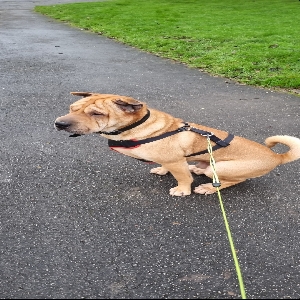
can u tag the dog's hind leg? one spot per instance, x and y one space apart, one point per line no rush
234 172
208 188
199 168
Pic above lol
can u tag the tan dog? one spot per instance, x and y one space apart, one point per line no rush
168 141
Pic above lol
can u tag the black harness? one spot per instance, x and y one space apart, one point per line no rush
131 144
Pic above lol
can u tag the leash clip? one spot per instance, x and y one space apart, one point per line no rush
208 134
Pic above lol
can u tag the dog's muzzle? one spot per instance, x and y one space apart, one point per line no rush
60 125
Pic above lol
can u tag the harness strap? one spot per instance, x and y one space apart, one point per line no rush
219 144
133 143
130 144
211 136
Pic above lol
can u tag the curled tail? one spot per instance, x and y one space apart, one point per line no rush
292 142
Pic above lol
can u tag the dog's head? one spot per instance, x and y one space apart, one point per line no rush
100 112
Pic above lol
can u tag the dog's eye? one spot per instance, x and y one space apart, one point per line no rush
96 113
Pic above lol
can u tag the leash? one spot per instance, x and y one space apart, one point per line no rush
216 183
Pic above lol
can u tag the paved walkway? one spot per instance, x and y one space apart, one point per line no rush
80 221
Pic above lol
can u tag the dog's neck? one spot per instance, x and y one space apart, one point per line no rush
133 125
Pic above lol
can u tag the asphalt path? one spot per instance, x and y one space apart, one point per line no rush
81 221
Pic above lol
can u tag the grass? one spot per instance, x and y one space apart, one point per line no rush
255 42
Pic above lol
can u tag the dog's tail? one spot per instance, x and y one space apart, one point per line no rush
292 142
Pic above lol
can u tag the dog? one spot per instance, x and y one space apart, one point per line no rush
148 134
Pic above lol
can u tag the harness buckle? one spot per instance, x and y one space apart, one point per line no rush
185 127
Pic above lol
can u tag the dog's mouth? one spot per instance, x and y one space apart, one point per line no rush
75 135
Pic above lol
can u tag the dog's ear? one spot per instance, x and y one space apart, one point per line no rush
128 104
83 94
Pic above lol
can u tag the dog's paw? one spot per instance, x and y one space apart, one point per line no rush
196 170
205 189
159 171
177 191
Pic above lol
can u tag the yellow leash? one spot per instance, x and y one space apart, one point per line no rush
217 184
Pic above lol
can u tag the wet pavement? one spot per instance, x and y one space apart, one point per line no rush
80 221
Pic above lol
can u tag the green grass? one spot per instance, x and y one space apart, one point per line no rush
255 42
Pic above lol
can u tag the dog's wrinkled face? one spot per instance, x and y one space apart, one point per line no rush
96 112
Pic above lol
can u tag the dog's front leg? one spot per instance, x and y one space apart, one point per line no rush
159 171
180 170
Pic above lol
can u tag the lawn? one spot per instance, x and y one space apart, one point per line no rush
255 42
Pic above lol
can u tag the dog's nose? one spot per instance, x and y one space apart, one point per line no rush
62 125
